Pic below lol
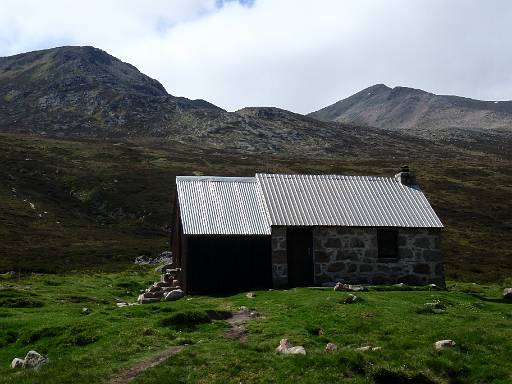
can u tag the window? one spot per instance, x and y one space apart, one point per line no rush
387 243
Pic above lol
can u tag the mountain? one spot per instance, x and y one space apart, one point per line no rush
85 92
423 114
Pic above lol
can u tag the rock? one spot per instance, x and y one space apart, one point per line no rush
122 304
507 293
364 348
86 311
162 284
340 286
433 287
348 287
399 285
435 306
162 268
299 350
250 295
286 348
164 258
444 344
350 299
143 299
17 363
376 348
331 347
243 308
34 360
174 295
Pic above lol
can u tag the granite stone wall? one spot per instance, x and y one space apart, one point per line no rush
351 255
279 258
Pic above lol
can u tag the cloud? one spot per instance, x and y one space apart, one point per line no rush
298 55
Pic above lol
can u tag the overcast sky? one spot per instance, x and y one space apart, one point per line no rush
295 54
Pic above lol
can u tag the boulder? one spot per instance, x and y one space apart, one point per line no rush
286 348
34 360
507 294
444 344
250 295
17 363
175 294
331 347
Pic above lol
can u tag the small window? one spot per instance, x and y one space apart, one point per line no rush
387 243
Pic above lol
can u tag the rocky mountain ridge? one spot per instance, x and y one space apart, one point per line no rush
422 114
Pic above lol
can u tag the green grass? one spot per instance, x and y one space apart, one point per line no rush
94 347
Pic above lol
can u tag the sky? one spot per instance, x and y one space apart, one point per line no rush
300 55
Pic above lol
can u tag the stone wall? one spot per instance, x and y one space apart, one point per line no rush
351 255
279 259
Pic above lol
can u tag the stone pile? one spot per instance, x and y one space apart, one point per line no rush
168 288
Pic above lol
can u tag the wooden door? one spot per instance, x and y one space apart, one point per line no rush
299 245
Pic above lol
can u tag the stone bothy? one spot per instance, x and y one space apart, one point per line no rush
273 230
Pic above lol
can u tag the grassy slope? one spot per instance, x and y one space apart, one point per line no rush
108 202
92 348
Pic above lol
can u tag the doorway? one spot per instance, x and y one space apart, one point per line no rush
299 246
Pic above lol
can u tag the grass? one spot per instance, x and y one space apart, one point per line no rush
94 347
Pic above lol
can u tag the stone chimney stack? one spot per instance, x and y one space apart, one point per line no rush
406 177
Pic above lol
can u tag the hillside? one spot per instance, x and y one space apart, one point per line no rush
85 92
423 114
90 147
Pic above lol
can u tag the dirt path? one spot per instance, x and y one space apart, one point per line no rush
131 373
237 323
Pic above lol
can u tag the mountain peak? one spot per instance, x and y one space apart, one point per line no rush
417 112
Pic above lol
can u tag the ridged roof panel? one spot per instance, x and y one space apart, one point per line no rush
335 200
221 206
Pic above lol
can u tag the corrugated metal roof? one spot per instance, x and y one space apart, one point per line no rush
221 206
305 200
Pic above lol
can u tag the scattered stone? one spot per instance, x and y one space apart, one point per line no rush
348 287
174 295
86 311
444 344
331 347
250 295
143 299
350 299
364 348
34 360
507 293
17 363
286 348
164 258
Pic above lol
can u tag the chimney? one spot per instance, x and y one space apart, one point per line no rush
406 177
